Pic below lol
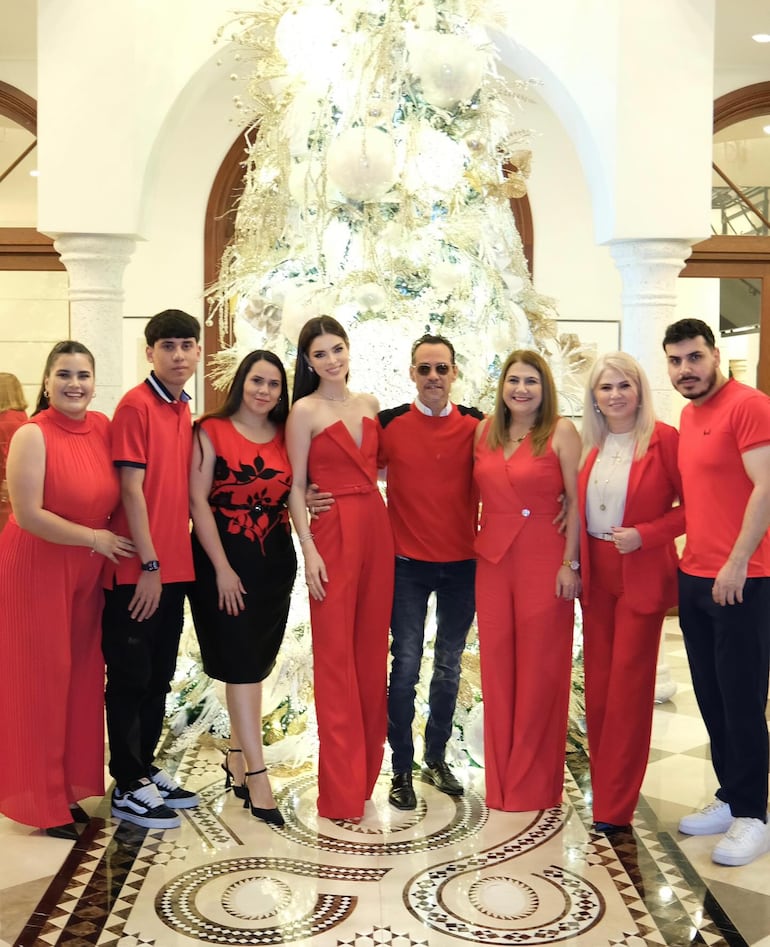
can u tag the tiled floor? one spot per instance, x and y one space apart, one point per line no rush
451 872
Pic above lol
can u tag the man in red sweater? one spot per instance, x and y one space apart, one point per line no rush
427 447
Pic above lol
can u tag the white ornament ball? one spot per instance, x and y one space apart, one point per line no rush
361 163
449 67
371 297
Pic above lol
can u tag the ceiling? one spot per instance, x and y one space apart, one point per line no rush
735 51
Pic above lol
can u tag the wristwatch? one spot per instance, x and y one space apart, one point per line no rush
152 566
572 563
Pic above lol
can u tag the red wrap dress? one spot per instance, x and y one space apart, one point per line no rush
350 626
51 600
525 631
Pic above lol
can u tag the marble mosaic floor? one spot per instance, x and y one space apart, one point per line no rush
451 872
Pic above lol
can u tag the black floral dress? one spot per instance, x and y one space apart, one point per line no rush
248 498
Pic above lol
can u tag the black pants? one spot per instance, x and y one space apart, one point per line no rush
728 647
141 660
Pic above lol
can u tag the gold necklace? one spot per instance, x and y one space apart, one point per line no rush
518 440
620 456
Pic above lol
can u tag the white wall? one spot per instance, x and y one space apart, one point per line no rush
136 117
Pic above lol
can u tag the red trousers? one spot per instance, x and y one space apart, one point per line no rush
350 651
621 656
525 641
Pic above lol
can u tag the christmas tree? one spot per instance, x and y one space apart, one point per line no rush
382 153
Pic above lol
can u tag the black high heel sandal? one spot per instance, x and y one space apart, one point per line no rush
238 789
271 816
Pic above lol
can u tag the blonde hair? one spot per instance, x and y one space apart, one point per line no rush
595 427
11 393
546 418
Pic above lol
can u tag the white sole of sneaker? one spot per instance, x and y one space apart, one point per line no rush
145 822
735 861
191 803
713 829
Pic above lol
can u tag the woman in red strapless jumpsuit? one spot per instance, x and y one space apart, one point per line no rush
63 488
332 439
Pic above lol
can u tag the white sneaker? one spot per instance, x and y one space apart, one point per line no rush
746 839
713 819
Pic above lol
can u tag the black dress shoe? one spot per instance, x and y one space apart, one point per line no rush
79 814
401 794
442 777
609 828
68 832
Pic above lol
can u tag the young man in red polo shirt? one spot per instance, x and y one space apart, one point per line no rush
724 584
144 596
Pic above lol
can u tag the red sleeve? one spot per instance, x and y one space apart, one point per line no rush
751 423
129 436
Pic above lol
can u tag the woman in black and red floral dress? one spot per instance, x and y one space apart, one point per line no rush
244 558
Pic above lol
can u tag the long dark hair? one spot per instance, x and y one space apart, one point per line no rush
234 397
67 347
305 379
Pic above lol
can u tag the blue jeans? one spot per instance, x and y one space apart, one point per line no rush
453 583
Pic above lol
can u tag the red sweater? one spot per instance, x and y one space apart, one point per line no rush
432 500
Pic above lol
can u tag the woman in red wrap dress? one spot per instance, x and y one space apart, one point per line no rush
332 440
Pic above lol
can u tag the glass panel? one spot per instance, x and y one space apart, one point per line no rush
733 306
742 153
18 191
739 321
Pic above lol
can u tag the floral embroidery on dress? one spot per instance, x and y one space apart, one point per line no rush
258 512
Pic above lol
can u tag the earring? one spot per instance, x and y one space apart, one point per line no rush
311 369
45 392
597 409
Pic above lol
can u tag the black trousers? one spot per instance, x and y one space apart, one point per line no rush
728 647
141 660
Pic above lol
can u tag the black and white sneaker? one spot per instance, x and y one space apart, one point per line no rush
143 805
172 793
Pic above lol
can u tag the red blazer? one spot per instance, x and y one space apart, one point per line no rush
654 484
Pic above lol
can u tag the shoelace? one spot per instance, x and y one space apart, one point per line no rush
149 795
161 778
739 829
714 806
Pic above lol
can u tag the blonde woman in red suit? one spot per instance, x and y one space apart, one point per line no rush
627 488
332 438
526 583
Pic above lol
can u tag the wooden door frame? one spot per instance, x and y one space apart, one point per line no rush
23 248
747 257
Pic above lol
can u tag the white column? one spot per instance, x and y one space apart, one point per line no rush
95 264
650 269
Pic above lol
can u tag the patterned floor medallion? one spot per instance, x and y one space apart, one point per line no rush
449 872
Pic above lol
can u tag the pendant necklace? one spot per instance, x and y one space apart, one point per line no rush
622 453
518 440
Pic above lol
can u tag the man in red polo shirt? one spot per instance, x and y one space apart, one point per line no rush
724 583
144 596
